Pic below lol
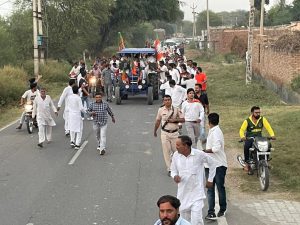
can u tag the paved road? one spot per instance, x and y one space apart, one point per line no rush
38 186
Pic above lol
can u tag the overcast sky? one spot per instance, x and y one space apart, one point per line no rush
214 5
218 6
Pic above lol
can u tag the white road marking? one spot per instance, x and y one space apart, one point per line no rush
3 128
77 153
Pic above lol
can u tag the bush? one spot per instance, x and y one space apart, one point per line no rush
54 71
109 51
230 58
296 84
13 83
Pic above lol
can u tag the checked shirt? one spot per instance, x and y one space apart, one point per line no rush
102 110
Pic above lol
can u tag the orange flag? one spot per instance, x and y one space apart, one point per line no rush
121 42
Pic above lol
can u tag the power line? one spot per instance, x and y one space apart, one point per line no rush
4 2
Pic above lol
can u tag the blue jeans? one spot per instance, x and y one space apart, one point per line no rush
84 99
219 180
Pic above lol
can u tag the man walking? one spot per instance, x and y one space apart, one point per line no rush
177 93
193 114
41 109
187 170
64 98
75 122
108 83
100 111
168 118
215 148
169 211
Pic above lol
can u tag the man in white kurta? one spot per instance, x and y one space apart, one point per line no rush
64 98
42 106
75 122
193 114
187 170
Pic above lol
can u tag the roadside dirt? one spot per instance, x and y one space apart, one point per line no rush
241 186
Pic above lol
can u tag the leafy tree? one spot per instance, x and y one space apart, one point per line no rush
214 20
187 28
295 10
7 46
279 14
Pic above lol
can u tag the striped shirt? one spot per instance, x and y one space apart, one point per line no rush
102 111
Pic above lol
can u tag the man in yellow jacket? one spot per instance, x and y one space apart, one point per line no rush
252 127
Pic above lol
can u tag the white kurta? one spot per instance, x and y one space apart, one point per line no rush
64 97
191 170
75 109
42 110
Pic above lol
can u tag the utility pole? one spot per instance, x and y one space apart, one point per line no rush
40 32
194 21
35 36
262 12
250 43
207 19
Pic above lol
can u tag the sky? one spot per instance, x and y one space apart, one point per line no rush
218 6
214 5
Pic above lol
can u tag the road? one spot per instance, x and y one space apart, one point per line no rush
42 187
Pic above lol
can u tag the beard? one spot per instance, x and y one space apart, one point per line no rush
257 117
167 221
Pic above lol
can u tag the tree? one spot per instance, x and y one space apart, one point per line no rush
295 10
279 14
214 20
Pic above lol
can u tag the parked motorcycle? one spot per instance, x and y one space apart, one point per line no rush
30 122
260 153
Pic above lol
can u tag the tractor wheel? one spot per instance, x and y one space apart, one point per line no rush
118 95
150 96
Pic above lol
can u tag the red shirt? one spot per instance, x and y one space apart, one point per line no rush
200 78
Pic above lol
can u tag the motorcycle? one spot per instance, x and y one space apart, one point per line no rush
30 122
259 157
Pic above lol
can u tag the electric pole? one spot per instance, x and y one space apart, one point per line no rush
40 32
250 43
262 12
35 36
194 21
207 18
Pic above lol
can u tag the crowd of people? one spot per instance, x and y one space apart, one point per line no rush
190 158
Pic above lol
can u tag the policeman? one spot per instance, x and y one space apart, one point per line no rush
168 118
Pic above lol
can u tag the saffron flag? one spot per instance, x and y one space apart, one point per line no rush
121 42
159 52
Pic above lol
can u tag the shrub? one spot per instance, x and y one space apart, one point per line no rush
13 83
230 58
296 84
54 71
109 51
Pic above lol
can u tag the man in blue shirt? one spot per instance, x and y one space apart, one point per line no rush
169 211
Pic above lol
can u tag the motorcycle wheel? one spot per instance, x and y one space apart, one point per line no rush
29 125
263 175
241 160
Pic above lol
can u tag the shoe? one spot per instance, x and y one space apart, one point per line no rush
211 216
169 173
221 213
77 147
82 118
40 145
98 149
102 152
67 133
250 172
19 127
72 144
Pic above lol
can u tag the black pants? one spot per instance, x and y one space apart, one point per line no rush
247 145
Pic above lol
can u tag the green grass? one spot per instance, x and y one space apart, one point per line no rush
232 99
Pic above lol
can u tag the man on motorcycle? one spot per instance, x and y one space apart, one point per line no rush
252 127
28 96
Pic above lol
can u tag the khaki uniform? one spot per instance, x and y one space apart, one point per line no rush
170 132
